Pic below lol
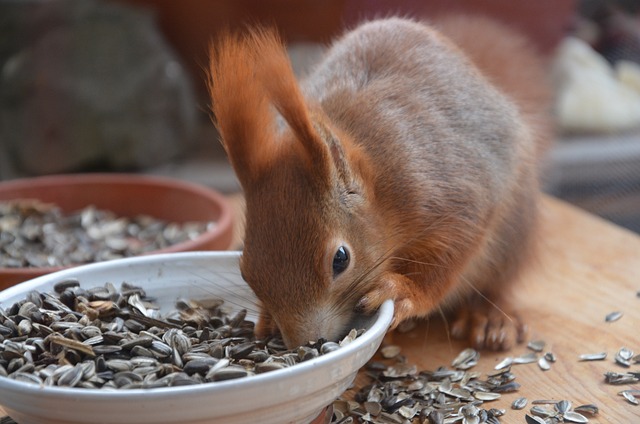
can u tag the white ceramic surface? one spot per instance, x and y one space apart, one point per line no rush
292 395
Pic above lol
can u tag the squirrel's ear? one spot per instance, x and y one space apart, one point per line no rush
348 161
285 95
250 78
241 110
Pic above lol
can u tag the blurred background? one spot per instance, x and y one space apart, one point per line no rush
118 85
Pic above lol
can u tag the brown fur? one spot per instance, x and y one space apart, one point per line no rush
419 159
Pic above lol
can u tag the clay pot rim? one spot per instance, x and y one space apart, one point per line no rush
223 222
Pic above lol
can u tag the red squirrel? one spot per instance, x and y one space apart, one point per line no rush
403 167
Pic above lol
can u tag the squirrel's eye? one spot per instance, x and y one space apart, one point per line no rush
340 260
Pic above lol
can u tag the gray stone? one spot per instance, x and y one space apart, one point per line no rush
86 83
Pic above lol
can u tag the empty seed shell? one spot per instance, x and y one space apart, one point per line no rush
613 316
574 417
536 345
593 356
532 419
486 396
620 378
562 406
390 351
544 364
527 358
623 357
542 412
589 409
627 394
373 408
466 359
506 362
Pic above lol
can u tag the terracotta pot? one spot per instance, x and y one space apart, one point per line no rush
126 195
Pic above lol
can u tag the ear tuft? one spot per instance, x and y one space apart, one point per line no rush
240 105
249 77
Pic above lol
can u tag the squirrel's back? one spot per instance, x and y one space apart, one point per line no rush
453 116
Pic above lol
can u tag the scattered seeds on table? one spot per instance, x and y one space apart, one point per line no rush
405 394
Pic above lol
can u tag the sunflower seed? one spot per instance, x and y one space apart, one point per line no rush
72 344
27 377
574 417
620 378
329 347
527 358
519 403
532 419
373 408
228 373
71 377
390 351
486 396
593 356
627 394
623 357
543 364
542 412
613 316
466 359
588 409
562 406
506 362
536 345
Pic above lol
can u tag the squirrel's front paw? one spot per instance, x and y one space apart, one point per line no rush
489 326
390 286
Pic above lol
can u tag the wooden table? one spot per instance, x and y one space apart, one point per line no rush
587 269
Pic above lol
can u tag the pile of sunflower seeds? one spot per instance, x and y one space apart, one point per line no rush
116 339
401 394
34 234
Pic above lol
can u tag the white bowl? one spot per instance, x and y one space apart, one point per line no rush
292 395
